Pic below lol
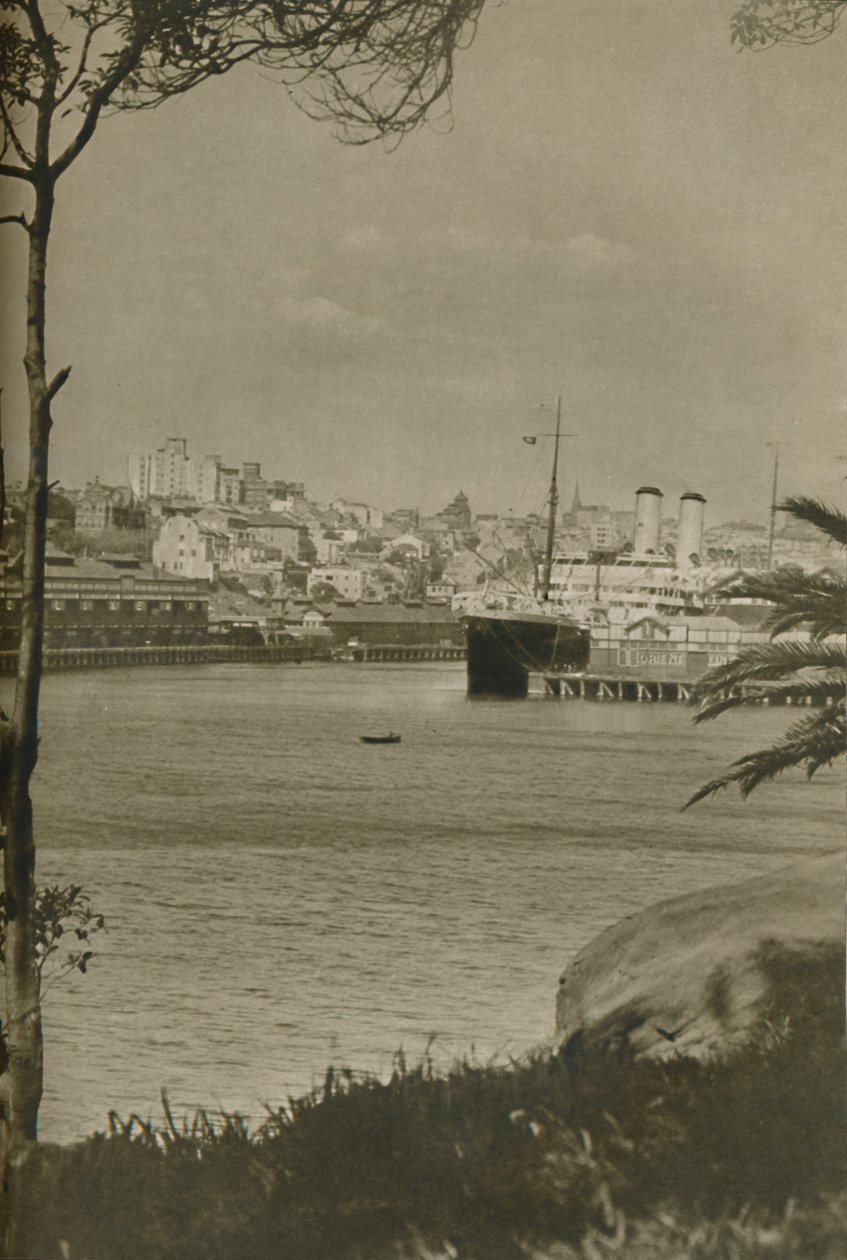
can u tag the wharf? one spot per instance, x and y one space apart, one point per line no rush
208 653
644 689
174 654
404 652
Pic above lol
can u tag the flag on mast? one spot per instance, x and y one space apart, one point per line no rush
531 440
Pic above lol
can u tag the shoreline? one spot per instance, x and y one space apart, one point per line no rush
58 660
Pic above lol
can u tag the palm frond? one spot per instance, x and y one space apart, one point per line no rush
815 670
822 617
824 687
722 702
761 662
828 520
816 741
816 600
787 582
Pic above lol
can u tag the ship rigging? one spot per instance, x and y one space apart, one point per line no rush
510 635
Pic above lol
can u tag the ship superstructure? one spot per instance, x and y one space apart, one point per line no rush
511 635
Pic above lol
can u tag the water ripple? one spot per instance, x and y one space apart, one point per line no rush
279 896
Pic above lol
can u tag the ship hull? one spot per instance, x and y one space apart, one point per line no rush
504 648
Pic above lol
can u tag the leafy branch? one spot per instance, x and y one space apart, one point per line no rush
64 925
760 24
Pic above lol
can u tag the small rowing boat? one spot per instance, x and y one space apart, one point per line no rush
390 738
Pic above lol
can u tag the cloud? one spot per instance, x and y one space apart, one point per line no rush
576 255
322 315
589 252
364 238
581 253
319 312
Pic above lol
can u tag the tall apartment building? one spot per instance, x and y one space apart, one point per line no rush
168 472
171 473
254 489
139 474
208 478
229 486
176 474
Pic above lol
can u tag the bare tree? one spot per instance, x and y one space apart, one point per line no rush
372 67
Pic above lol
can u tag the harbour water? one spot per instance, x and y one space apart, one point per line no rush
280 896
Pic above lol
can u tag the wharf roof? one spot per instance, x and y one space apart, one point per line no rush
55 556
120 560
392 614
705 621
350 612
709 622
61 566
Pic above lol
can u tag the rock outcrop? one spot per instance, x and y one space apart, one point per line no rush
702 974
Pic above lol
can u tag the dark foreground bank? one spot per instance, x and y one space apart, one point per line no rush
557 1157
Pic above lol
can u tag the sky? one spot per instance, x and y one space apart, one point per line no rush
626 213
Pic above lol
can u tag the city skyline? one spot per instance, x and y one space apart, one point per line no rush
193 482
626 211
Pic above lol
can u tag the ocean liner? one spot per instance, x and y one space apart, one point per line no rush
509 636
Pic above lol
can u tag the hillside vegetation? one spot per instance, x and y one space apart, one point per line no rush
556 1157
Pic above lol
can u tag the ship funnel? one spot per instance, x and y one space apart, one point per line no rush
689 542
648 520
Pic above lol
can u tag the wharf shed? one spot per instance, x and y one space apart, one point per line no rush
411 623
115 601
674 648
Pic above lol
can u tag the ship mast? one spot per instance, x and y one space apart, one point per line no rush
775 446
553 508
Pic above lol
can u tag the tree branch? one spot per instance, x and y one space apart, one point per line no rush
124 65
57 382
82 63
16 172
81 67
45 42
12 135
15 218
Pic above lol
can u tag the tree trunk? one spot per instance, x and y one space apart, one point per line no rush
22 1024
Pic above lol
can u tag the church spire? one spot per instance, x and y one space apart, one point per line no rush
577 504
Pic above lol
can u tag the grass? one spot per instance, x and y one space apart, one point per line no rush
558 1157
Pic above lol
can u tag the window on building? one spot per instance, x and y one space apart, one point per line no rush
58 604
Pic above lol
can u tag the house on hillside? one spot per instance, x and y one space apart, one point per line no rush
348 582
101 508
409 546
279 532
190 548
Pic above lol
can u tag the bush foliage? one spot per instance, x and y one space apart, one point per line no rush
554 1157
